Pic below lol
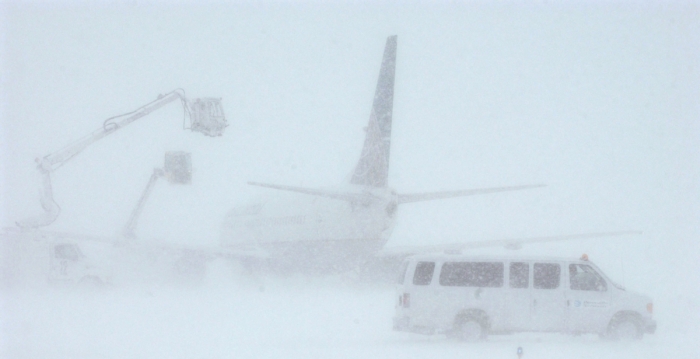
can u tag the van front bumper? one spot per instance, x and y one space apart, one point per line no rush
402 324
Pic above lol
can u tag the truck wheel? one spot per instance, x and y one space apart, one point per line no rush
90 282
469 330
625 328
191 269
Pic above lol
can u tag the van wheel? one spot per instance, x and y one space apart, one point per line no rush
625 328
469 330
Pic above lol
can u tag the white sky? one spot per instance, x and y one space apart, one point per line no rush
599 101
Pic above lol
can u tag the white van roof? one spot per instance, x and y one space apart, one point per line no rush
446 257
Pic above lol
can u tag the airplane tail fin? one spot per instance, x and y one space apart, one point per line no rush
373 167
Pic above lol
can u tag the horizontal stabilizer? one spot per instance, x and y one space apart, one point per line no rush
428 196
512 243
345 196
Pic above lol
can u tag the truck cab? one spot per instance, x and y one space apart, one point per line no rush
30 258
68 264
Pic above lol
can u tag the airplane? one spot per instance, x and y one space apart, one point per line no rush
326 229
315 230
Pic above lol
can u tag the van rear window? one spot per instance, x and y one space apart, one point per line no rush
424 273
472 274
402 272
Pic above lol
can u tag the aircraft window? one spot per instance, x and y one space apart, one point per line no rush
424 273
584 277
546 275
402 272
519 275
67 251
472 274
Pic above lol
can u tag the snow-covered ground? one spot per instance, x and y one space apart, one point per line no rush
597 100
296 317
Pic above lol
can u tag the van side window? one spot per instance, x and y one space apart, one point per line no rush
546 275
424 273
472 274
402 272
584 277
519 275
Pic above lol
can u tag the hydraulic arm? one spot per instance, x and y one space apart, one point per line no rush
177 170
206 116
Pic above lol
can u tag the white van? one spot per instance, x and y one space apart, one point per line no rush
470 297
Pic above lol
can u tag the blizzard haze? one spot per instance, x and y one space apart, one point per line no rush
599 101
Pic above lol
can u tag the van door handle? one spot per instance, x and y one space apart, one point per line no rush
534 302
567 303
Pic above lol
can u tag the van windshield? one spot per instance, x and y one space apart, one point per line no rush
584 277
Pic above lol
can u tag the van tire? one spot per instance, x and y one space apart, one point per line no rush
470 328
625 326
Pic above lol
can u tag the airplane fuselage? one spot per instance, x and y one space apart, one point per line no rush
334 228
311 229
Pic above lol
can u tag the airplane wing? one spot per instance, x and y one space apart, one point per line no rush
508 243
203 251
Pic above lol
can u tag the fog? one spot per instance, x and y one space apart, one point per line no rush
599 101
